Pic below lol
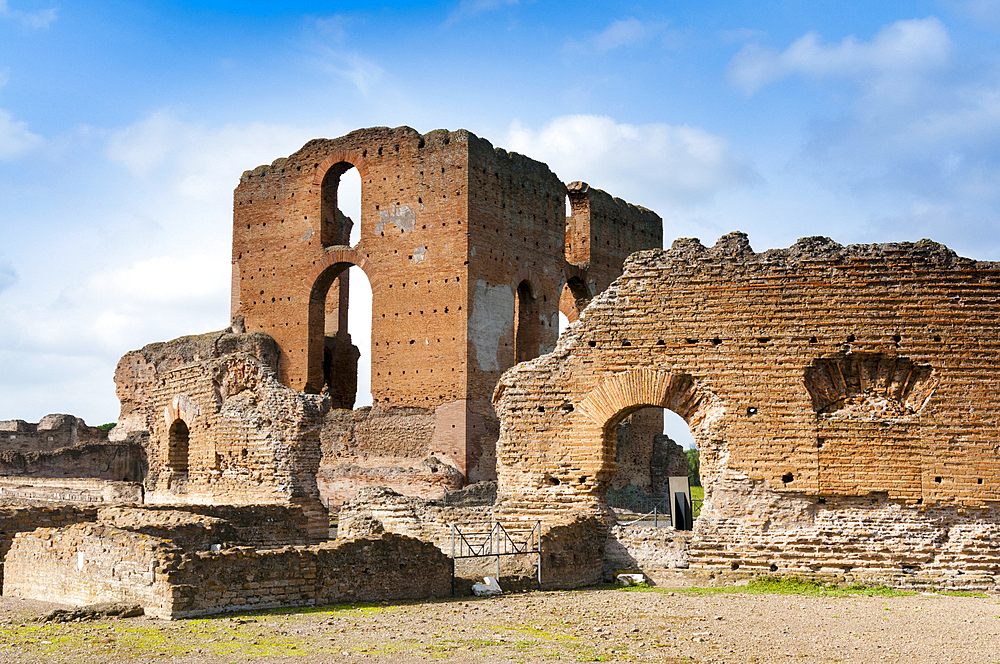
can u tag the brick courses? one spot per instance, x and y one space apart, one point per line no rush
842 397
468 251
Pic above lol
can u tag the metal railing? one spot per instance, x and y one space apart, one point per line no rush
495 542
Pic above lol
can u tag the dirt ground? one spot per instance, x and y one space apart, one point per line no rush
580 625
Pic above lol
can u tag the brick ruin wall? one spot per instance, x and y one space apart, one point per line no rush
571 546
94 562
220 428
64 446
260 526
842 399
469 255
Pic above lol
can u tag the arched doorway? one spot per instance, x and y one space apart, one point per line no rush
334 359
527 323
622 395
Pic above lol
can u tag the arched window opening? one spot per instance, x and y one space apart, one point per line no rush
347 340
177 447
573 300
653 466
340 198
527 324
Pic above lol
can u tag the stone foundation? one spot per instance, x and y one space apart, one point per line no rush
89 563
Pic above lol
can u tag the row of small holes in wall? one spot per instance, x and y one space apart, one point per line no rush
389 373
715 341
424 227
412 342
412 400
417 283
410 313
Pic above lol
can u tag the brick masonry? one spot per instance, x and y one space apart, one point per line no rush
842 398
95 562
470 256
221 430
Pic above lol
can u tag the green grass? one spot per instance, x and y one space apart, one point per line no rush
962 593
768 585
697 496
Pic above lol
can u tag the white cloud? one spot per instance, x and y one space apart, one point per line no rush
15 138
624 32
38 19
197 161
620 33
362 73
7 276
657 165
905 47
468 8
333 27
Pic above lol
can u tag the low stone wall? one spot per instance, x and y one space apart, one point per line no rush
260 526
389 567
14 520
67 490
659 553
572 547
853 539
88 563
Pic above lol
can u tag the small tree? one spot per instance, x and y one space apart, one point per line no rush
694 467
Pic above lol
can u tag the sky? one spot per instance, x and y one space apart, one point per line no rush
124 128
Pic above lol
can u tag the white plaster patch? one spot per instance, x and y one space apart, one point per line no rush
309 234
419 253
402 217
492 317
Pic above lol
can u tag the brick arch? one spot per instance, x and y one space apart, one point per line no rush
618 396
338 156
574 296
178 415
322 275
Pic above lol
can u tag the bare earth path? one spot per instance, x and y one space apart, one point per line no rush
583 625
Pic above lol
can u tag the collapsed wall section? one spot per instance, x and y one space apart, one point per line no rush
221 429
810 377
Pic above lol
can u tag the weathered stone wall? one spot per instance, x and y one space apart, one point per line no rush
23 518
68 490
464 246
221 429
88 563
841 398
64 446
662 554
572 546
259 526
52 432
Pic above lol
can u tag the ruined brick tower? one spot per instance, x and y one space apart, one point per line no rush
470 256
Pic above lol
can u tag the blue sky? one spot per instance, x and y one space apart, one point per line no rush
124 128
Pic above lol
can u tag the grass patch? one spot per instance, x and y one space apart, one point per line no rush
962 593
770 585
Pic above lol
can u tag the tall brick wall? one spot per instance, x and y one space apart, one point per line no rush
464 246
811 377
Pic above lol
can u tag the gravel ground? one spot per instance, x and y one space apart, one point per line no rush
582 625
